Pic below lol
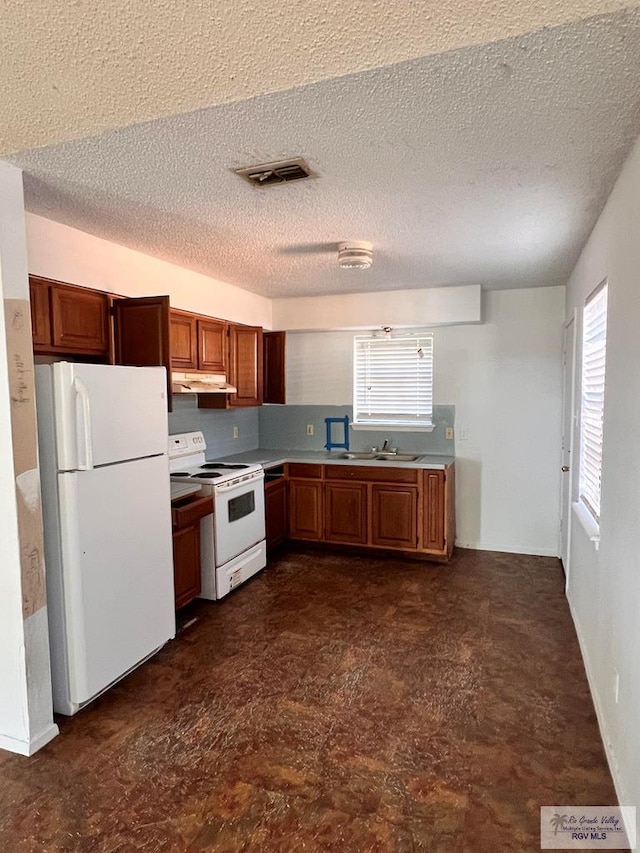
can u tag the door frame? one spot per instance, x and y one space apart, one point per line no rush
568 396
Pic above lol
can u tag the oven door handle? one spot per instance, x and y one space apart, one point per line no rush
233 486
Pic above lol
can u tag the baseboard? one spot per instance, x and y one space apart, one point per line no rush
609 751
532 552
23 747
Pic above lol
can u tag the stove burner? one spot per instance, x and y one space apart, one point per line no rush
180 474
223 465
207 475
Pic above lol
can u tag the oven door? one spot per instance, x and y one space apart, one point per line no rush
238 517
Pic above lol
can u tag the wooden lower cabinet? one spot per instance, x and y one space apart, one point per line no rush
276 512
434 515
345 513
401 509
305 509
186 564
394 516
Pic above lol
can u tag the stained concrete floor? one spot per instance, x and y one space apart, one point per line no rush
332 704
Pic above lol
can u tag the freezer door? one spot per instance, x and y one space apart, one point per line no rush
117 569
107 413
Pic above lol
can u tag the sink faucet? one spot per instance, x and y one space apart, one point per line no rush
385 445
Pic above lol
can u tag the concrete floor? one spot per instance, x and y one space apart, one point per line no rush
332 704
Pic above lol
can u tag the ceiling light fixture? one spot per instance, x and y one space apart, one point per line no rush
355 255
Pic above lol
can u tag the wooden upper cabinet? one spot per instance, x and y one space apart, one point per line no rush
67 319
212 346
245 364
141 333
40 312
274 345
183 341
79 320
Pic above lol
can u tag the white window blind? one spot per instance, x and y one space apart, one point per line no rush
594 343
393 380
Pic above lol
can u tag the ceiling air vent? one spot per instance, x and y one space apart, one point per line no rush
276 173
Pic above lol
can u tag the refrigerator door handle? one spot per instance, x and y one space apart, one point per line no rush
83 394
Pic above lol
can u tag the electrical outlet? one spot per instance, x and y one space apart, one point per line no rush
235 432
463 433
309 429
448 433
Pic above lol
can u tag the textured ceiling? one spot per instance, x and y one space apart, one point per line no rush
71 69
488 164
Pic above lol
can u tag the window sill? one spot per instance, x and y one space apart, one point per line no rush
392 428
588 522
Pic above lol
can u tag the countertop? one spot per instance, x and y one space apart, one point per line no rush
270 458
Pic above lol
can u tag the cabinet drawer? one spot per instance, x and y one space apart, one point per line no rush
186 511
304 469
371 474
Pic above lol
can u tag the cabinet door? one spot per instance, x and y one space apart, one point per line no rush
80 320
212 346
434 511
305 509
141 333
276 514
183 341
273 348
40 316
394 516
186 564
245 368
345 512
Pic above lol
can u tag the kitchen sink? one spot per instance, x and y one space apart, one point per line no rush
380 457
397 457
358 455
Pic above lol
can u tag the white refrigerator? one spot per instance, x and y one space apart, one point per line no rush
102 436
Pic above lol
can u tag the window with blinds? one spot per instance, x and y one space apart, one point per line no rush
594 345
393 380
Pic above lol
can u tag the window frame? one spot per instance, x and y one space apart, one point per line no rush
590 493
398 421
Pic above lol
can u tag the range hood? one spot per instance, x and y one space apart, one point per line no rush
200 383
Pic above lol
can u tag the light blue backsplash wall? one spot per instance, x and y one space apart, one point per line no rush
285 428
217 426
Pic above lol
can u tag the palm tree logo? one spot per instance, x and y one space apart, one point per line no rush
557 822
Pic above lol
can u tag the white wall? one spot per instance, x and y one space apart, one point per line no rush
397 308
66 254
26 713
604 585
504 378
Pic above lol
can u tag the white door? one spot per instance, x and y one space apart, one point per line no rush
117 570
107 413
568 404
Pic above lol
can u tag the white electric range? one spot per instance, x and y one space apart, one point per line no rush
233 538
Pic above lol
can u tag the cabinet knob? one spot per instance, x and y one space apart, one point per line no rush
565 468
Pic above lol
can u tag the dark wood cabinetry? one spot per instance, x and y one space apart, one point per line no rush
379 507
276 512
434 510
183 339
273 348
212 346
245 365
345 513
68 320
186 514
305 509
186 564
141 334
394 516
